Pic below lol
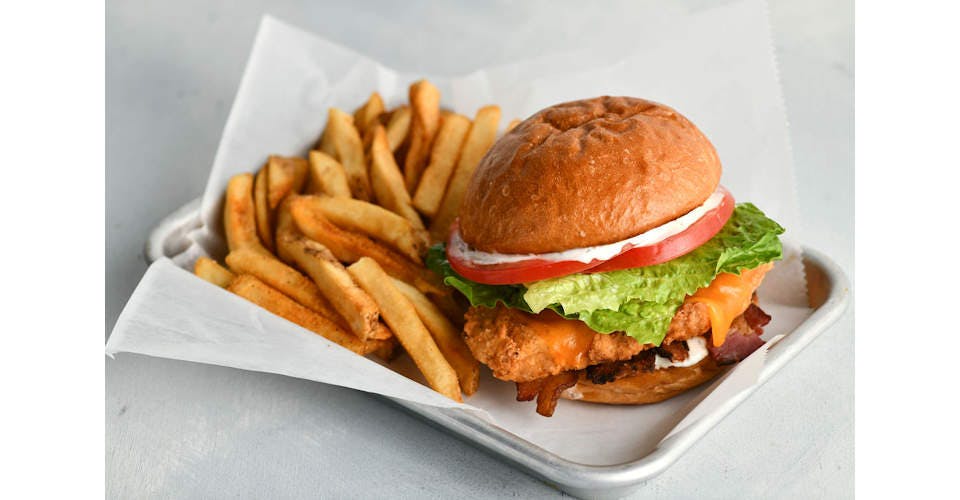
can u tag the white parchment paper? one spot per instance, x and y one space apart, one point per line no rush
716 67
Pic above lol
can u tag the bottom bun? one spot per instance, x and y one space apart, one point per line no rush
647 387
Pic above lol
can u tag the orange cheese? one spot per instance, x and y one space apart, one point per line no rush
568 341
727 297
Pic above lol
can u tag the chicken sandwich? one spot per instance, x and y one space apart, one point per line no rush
603 260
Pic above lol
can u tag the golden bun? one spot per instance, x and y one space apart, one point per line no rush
646 387
587 173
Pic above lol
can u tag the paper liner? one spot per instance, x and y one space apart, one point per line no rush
716 67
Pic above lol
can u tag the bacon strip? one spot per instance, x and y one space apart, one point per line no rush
526 391
547 390
550 392
756 318
743 337
608 372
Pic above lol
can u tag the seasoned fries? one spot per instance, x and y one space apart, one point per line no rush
481 136
443 157
349 151
284 176
325 143
513 123
398 127
381 332
293 226
282 277
353 304
374 221
327 176
287 231
402 318
368 113
387 181
209 270
239 215
425 103
272 300
348 246
285 225
447 337
262 209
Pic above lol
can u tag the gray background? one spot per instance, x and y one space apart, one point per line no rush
177 429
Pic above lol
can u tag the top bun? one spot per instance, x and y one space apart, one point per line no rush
586 173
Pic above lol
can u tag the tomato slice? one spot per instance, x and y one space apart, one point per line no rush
535 269
513 272
675 246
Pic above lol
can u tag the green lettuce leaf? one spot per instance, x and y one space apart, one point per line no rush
477 293
647 322
642 301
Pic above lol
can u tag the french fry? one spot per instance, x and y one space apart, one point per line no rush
265 296
353 304
387 181
262 209
425 103
348 246
443 157
367 140
447 337
346 141
481 136
513 123
327 176
325 143
401 316
209 270
284 176
374 221
398 127
285 225
382 348
387 350
282 277
239 215
381 332
367 113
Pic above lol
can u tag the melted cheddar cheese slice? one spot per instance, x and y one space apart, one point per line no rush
727 297
568 341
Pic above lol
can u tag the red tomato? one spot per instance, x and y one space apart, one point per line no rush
675 246
538 269
513 272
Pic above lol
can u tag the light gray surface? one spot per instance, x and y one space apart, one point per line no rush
185 430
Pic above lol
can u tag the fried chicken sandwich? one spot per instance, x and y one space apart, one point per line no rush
603 260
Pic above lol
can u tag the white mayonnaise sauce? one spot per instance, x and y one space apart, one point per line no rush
586 255
698 350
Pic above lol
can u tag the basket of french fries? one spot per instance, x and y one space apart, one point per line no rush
335 241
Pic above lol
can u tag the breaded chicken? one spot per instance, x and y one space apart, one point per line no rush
519 346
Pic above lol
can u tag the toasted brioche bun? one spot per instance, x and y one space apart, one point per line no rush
587 173
647 387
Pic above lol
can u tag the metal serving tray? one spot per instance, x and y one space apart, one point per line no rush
828 291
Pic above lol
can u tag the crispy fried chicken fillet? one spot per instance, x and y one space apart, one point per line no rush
522 347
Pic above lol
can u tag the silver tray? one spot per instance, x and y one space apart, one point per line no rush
828 291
